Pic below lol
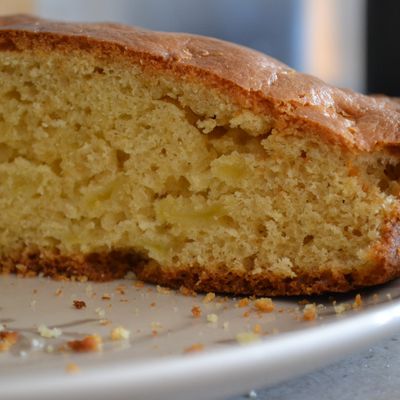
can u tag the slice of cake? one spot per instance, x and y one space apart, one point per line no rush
190 161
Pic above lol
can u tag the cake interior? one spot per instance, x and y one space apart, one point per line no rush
98 156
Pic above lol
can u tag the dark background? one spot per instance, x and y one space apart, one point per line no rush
383 47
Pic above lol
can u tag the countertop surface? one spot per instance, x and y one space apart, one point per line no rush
373 374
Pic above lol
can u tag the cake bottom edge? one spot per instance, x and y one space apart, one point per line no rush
117 264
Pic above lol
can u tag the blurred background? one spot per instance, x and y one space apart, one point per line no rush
349 43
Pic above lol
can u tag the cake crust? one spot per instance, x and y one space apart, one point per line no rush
117 264
254 80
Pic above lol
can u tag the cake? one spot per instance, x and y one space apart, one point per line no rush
189 161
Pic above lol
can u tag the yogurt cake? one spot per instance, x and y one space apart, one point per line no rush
189 161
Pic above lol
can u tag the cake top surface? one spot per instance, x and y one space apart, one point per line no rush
253 80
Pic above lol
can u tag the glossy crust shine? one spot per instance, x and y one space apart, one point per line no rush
253 81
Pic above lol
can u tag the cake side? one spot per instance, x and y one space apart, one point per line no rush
118 264
111 164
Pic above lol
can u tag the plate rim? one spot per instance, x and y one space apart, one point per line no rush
319 346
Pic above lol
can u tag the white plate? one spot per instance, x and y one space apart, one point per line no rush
150 365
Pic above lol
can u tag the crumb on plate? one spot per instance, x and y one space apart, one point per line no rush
90 343
340 308
72 368
156 325
49 333
310 312
120 333
208 298
196 312
120 289
257 329
243 302
247 337
264 304
358 302
79 304
7 340
100 312
194 348
187 292
212 318
163 290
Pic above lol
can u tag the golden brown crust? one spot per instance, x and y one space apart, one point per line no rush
384 266
251 79
94 266
200 280
267 284
116 264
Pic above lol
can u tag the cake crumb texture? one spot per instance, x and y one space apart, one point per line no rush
108 166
